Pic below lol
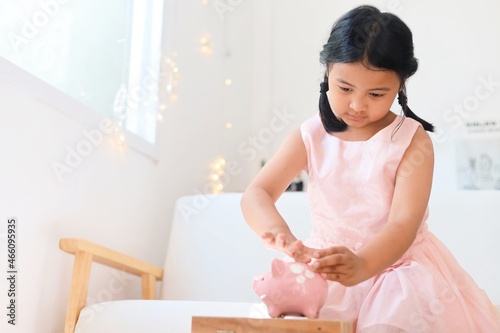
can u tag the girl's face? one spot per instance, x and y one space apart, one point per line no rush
361 96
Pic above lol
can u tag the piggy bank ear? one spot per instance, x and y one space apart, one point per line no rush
277 267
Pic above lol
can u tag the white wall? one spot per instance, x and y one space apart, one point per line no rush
124 200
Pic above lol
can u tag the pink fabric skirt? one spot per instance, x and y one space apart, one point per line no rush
425 291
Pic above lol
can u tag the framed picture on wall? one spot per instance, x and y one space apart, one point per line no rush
478 153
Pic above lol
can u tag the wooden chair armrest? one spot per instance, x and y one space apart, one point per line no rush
85 253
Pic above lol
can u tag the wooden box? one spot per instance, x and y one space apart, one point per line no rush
272 325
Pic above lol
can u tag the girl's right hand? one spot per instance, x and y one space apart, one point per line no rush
289 245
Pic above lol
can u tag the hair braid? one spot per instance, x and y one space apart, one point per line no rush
328 118
403 101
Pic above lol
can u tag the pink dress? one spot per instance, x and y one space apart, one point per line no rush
351 184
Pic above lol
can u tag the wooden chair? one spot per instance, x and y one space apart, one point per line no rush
85 253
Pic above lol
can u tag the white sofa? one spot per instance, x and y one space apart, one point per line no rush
213 256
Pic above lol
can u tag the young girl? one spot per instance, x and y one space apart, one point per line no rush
370 175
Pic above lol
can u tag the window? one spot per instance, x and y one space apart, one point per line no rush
104 54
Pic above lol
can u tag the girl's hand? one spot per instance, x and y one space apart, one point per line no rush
288 245
340 264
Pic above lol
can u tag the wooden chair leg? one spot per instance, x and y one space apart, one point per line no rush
148 282
79 289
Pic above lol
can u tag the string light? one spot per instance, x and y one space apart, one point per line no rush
124 103
119 137
215 177
170 77
206 44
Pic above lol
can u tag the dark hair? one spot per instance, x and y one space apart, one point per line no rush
378 40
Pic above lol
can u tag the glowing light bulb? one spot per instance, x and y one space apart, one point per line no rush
205 45
228 82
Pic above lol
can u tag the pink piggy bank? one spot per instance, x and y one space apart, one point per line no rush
291 288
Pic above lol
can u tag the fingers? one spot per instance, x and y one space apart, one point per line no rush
338 264
329 263
333 277
296 247
299 252
308 250
330 251
335 256
268 239
291 247
302 254
281 241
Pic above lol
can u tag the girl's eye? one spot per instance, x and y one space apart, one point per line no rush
344 89
376 95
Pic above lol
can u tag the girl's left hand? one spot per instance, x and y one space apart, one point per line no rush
340 264
289 245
